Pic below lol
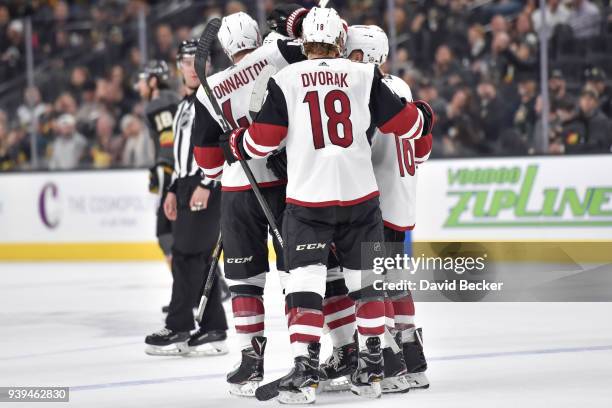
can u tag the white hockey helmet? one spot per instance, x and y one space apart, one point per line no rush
369 39
238 32
324 25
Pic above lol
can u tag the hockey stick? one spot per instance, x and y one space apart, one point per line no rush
202 53
210 279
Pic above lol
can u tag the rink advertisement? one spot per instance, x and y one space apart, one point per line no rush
102 215
539 198
110 215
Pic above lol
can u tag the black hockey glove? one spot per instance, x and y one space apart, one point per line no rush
277 162
153 180
155 184
277 19
429 116
232 146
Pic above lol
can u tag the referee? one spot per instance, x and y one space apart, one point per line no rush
193 203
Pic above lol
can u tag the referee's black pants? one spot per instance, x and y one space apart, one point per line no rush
195 234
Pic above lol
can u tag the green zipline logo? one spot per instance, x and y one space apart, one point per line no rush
505 197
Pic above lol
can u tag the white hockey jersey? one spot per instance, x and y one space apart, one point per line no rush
395 160
321 109
232 88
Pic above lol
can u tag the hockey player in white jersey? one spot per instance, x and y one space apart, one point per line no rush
320 110
395 161
243 224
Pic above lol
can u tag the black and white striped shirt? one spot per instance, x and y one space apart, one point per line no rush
182 127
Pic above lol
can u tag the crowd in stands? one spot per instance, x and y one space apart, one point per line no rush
476 62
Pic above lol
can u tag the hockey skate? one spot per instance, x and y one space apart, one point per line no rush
415 362
245 378
167 343
336 371
299 386
203 343
365 381
395 380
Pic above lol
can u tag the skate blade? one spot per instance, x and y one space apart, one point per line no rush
398 384
372 390
246 390
417 381
215 348
339 384
176 349
306 395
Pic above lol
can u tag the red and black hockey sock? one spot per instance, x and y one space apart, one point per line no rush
370 320
404 317
249 315
305 320
340 320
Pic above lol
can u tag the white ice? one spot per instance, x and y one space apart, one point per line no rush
83 325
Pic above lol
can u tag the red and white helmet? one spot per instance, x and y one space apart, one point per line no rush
238 32
324 25
369 39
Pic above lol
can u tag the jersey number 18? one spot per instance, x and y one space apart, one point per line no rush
335 118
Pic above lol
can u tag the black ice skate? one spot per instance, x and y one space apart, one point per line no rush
395 380
166 343
245 379
415 362
299 386
365 381
203 343
336 371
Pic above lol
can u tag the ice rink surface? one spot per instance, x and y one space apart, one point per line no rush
83 326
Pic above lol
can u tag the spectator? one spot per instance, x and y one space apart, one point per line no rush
557 86
596 80
556 13
106 149
7 161
78 78
524 30
138 149
494 114
568 129
585 19
478 42
68 147
525 117
597 137
32 107
447 72
12 58
458 124
65 103
164 49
